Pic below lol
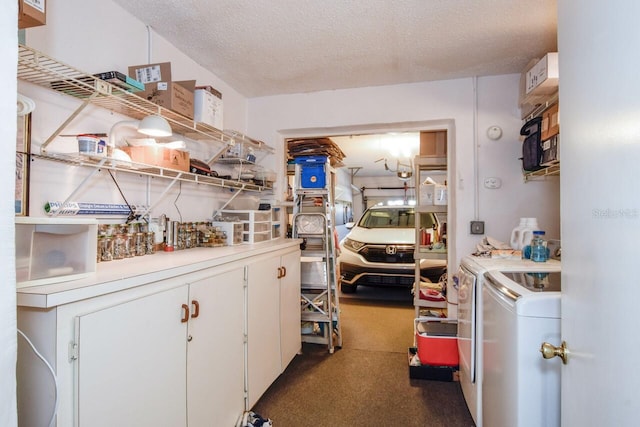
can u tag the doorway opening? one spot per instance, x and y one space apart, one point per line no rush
380 177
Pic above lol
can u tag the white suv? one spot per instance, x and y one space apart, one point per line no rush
379 250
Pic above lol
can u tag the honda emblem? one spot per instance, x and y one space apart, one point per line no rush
391 250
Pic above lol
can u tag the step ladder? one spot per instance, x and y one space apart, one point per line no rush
313 223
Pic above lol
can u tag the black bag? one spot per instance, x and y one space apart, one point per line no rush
532 147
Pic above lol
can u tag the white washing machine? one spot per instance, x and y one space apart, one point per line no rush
520 311
470 278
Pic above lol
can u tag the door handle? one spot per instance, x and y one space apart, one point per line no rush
284 272
185 313
196 309
550 351
279 273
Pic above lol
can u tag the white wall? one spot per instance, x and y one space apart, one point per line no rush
424 105
502 208
8 346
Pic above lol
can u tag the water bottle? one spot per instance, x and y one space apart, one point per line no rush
538 247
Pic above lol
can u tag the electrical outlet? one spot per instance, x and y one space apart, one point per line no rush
477 227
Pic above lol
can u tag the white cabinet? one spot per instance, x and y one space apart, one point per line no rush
129 363
133 357
290 341
170 353
120 359
169 349
215 349
273 319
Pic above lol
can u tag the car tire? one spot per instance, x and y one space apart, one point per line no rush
348 289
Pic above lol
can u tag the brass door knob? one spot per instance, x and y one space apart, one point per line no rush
550 351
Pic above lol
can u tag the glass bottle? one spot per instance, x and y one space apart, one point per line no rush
130 245
150 243
140 244
538 247
119 246
106 249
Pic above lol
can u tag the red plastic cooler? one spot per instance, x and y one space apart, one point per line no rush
436 341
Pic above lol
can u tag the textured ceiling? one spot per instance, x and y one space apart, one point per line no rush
271 47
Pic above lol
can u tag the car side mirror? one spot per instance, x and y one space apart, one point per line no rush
349 225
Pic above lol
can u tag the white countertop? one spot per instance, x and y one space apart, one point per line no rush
123 274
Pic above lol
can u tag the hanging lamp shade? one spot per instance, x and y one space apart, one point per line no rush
155 126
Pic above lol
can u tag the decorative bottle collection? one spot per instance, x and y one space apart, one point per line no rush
121 241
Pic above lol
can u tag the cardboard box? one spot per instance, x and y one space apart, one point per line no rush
550 122
538 83
154 155
551 151
31 13
433 143
160 89
542 78
207 106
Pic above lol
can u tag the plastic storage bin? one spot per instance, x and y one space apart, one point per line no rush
232 229
436 341
52 250
312 171
256 225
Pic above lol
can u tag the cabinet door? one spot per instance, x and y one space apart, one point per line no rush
263 326
290 339
215 350
130 367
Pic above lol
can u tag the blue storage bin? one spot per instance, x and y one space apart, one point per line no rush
312 171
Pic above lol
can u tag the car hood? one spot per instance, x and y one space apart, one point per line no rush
383 235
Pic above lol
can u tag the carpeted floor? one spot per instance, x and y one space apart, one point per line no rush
366 382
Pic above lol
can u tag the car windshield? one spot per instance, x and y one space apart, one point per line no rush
400 217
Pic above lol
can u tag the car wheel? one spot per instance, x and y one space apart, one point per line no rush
348 289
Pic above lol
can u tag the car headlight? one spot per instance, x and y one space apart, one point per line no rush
353 245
